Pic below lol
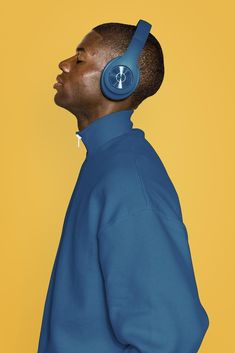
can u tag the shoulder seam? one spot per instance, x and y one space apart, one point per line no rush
141 182
174 221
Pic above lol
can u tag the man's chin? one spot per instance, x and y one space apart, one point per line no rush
58 99
63 103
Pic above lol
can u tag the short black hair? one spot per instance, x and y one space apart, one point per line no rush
117 37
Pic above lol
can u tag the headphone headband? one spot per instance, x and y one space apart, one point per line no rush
139 38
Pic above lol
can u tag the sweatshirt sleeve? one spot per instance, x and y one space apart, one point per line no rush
151 291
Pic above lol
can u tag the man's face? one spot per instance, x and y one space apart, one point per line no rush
80 90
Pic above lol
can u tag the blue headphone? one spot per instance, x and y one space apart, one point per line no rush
121 75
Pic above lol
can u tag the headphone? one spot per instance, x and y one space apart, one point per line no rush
121 75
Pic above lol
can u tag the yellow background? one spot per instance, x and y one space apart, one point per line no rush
190 123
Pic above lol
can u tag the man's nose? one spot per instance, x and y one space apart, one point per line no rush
65 65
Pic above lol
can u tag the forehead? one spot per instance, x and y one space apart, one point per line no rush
91 44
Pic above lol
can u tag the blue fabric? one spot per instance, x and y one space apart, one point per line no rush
123 278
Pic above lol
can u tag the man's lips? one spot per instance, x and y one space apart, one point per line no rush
59 79
57 85
59 82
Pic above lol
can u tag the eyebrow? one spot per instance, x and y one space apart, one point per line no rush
80 49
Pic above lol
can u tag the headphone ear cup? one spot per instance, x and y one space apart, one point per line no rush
118 80
121 75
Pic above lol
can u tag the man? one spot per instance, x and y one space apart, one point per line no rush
123 279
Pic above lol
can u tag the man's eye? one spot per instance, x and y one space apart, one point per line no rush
79 61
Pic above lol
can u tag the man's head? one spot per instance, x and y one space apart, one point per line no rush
81 93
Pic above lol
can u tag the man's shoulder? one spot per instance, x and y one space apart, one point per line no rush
143 169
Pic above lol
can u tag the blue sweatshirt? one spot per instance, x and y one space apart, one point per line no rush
123 278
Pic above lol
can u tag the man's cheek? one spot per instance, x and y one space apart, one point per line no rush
92 80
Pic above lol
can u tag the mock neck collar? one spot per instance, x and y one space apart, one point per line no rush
105 128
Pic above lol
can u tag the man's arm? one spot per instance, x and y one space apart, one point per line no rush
152 296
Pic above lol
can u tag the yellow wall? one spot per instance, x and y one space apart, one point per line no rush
190 123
